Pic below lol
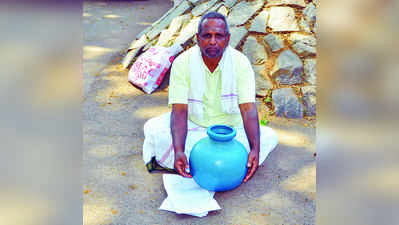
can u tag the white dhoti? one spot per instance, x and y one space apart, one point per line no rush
158 140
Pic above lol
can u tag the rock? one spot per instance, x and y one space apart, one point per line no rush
259 22
127 60
286 103
188 31
309 99
176 2
215 7
263 83
165 20
241 12
315 27
288 68
223 10
310 71
304 25
310 13
195 2
138 43
304 50
306 39
316 3
202 8
174 27
303 44
262 108
300 3
274 42
230 3
254 51
282 19
236 35
133 50
150 44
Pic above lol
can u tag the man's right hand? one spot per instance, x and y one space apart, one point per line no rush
181 164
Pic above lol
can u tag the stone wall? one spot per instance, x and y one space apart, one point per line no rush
278 37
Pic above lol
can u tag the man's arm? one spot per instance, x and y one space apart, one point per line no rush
178 125
249 115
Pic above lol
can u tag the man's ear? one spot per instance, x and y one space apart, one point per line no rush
228 39
197 36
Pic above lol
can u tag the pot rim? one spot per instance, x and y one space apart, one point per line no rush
221 132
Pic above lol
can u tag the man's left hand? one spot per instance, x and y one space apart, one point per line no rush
253 162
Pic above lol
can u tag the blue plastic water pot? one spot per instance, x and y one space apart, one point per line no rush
218 162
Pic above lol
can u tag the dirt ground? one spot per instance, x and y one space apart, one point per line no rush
118 189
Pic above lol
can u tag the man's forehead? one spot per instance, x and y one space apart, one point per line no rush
214 24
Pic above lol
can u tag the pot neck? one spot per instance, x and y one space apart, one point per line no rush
221 133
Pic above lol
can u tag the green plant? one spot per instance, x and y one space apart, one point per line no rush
265 120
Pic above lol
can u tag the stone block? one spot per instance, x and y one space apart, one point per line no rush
304 45
304 50
165 21
262 108
254 51
241 12
263 83
150 44
300 3
316 3
236 35
286 103
309 13
309 99
196 2
223 10
259 22
230 3
203 7
138 43
127 60
174 27
288 68
274 42
282 19
304 38
215 7
188 31
310 71
304 25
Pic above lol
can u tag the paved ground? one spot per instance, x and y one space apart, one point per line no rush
118 189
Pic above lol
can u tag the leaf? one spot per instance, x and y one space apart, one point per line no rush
264 122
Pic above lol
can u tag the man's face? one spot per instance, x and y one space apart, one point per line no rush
213 38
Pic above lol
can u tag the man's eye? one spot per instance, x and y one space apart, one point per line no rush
219 35
206 36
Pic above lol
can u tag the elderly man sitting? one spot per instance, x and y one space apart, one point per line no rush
211 83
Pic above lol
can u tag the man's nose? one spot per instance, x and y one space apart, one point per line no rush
213 40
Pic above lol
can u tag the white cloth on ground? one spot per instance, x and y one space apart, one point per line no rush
229 97
158 140
185 196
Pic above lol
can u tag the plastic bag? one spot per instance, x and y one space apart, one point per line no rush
150 68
